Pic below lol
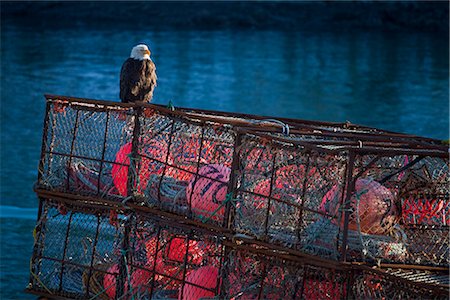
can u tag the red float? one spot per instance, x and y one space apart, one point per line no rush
148 167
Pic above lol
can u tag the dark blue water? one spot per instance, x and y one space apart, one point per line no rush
395 81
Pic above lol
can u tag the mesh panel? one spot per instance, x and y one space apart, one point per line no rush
81 145
71 248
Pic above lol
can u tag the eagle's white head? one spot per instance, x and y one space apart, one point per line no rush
140 52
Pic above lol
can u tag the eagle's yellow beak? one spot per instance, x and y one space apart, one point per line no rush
147 52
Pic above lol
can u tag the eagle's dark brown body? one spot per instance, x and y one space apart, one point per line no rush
137 80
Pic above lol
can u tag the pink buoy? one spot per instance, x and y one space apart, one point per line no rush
205 278
209 191
374 202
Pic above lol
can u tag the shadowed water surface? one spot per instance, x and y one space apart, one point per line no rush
395 81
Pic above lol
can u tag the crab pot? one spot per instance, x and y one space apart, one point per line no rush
86 251
84 149
146 202
83 252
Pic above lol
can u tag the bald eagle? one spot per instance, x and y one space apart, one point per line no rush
138 76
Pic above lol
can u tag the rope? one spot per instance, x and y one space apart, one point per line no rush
228 198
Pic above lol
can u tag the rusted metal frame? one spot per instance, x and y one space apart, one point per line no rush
44 141
37 249
80 201
50 157
405 167
302 204
349 280
166 163
292 204
66 240
85 157
52 296
371 143
261 284
224 270
435 289
393 152
305 274
285 120
230 208
365 150
173 219
273 250
289 121
123 261
220 280
164 108
134 165
185 264
198 169
96 109
94 249
69 165
376 139
297 283
350 187
51 97
410 267
434 144
353 139
272 182
168 218
289 141
158 234
186 113
105 137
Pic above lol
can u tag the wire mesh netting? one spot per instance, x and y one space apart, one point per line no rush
336 192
